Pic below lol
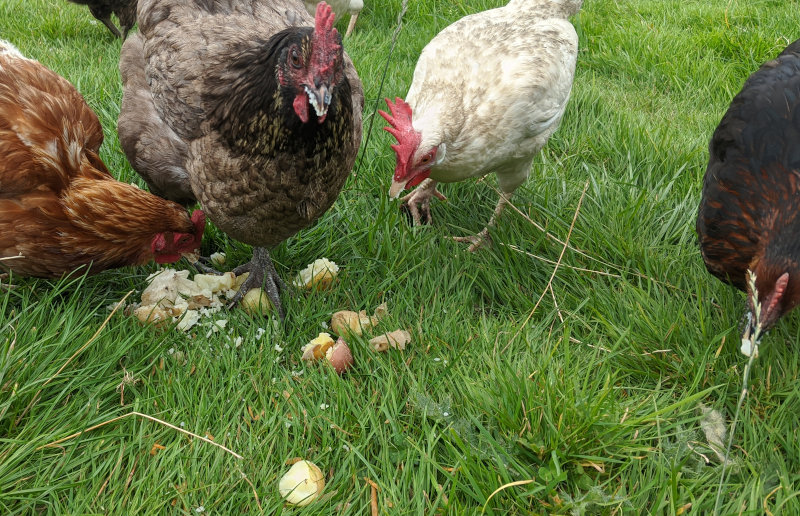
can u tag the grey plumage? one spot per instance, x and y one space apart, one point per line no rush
204 116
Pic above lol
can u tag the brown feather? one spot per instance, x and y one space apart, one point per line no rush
60 208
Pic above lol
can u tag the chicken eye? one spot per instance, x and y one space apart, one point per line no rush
426 159
294 58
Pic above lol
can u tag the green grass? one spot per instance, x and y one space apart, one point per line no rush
593 397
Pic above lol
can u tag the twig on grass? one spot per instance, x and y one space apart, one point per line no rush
558 263
91 339
373 497
151 418
396 33
586 255
766 498
113 470
258 502
754 340
506 486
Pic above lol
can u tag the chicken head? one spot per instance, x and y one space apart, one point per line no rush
169 247
312 66
413 164
770 295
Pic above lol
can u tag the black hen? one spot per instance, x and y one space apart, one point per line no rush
748 217
103 9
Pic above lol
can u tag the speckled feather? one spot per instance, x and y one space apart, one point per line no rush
493 87
748 215
259 173
59 207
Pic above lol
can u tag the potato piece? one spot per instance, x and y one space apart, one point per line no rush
256 302
339 356
152 314
346 321
302 484
215 283
320 275
190 318
316 349
394 339
217 259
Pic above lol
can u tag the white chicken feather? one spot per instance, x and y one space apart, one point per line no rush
487 93
340 7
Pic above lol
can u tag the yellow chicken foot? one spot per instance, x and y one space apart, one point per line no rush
262 273
483 239
418 202
351 25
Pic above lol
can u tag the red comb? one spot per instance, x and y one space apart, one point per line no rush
777 294
407 138
199 221
325 42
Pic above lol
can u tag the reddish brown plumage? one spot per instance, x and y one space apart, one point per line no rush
60 208
748 216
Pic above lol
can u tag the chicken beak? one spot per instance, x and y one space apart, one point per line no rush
751 336
320 99
396 188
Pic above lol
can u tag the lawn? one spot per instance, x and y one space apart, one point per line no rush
562 371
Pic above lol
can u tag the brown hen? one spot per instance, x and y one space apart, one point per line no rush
60 209
251 107
748 216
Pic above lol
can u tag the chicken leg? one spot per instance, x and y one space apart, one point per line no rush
351 25
262 272
483 239
105 17
419 201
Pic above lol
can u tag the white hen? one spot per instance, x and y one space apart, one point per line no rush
487 93
340 7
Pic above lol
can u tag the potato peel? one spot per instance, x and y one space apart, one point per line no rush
172 297
397 339
347 321
317 348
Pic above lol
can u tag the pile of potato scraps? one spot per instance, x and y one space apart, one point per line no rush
171 296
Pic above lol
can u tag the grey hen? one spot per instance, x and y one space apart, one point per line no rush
250 107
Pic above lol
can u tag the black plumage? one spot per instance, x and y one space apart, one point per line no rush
125 11
748 215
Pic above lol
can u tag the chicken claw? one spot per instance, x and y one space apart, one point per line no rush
476 242
202 267
262 272
418 202
483 239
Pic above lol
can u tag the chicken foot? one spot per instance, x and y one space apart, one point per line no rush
483 239
262 273
418 202
352 24
202 267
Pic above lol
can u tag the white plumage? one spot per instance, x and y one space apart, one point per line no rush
340 7
487 93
